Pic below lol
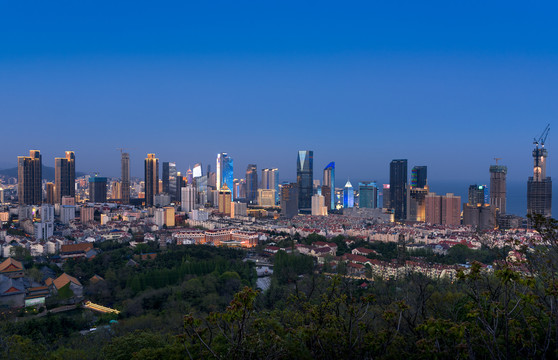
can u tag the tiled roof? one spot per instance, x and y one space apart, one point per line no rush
64 279
10 265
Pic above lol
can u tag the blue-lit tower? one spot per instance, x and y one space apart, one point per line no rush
224 171
329 181
348 195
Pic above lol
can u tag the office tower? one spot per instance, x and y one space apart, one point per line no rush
125 176
98 189
266 197
49 193
386 196
151 178
498 190
318 205
224 171
348 195
64 176
169 179
188 200
116 190
398 188
289 200
251 183
419 177
225 199
270 180
329 181
368 195
305 179
416 205
29 174
180 183
326 193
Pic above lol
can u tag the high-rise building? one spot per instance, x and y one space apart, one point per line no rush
50 193
30 178
125 175
188 200
270 181
348 195
98 189
169 179
445 210
266 197
64 176
539 186
224 171
498 189
326 192
305 179
477 194
419 177
318 205
151 178
386 196
416 203
367 195
329 181
289 200
225 199
251 183
398 188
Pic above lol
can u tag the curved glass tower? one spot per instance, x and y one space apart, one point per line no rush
305 179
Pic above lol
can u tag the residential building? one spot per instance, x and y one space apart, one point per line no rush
98 189
151 179
29 182
64 176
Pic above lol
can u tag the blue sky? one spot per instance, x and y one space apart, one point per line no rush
450 85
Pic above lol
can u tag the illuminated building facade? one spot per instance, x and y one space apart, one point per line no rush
419 176
151 178
225 199
539 186
348 195
329 181
30 177
270 181
477 194
305 179
224 171
64 176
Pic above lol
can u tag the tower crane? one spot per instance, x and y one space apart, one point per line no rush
497 159
540 141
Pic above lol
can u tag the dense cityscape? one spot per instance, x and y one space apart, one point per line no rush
278 180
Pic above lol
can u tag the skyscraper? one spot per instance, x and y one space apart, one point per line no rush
270 181
398 190
305 179
251 183
64 176
367 195
477 194
419 176
224 171
169 179
329 181
225 199
188 200
151 178
98 189
348 195
30 178
498 189
125 174
289 200
539 186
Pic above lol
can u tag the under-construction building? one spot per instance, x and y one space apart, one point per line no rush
539 186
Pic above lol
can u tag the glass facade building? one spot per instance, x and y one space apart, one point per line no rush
270 181
329 181
418 176
151 178
64 177
368 195
169 179
224 171
251 183
398 188
348 195
305 179
30 178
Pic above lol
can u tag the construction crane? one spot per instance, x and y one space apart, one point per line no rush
497 159
540 141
